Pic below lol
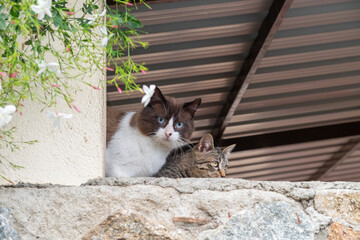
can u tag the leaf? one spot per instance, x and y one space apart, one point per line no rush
15 11
59 22
134 23
3 18
2 24
119 21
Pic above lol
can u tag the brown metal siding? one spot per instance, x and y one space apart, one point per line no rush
294 162
310 75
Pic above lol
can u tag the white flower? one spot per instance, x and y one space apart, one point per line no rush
93 18
58 118
42 66
53 67
1 87
106 38
103 31
149 92
104 41
1 40
103 13
5 116
42 8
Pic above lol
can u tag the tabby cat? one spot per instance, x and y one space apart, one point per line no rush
139 142
203 161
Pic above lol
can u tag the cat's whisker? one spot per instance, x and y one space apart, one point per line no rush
185 143
185 140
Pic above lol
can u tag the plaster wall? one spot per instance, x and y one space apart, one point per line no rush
70 155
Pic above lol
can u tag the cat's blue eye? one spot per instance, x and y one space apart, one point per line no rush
179 124
161 120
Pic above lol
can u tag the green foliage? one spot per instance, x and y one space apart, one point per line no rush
74 39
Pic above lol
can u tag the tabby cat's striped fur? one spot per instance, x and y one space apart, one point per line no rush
203 161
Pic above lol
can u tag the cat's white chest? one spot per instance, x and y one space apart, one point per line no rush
131 154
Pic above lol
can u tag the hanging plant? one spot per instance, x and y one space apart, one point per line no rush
42 44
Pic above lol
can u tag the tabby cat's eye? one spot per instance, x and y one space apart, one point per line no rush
215 164
161 120
179 125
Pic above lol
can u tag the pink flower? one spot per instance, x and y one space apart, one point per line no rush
3 74
55 85
129 4
70 13
14 75
96 88
68 49
114 26
76 108
119 90
110 69
143 71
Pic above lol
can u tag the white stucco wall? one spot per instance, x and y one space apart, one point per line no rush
70 155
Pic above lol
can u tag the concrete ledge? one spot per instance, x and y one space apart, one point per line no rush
150 208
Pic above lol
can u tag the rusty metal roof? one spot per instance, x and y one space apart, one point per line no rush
305 75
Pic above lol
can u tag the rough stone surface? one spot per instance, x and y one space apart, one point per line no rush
127 226
278 220
339 204
340 232
172 209
7 231
321 220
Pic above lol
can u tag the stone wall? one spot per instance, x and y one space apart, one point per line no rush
148 208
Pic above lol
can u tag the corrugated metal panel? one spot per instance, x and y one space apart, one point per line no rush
348 170
294 162
310 76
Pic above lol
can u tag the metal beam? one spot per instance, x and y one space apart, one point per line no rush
336 159
258 49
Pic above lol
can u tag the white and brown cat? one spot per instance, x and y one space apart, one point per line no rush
139 142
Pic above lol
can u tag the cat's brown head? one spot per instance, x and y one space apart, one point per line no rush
210 161
168 121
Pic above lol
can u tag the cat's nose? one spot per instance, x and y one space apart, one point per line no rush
168 134
222 173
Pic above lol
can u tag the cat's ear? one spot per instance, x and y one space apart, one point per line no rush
228 150
157 97
206 143
191 107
